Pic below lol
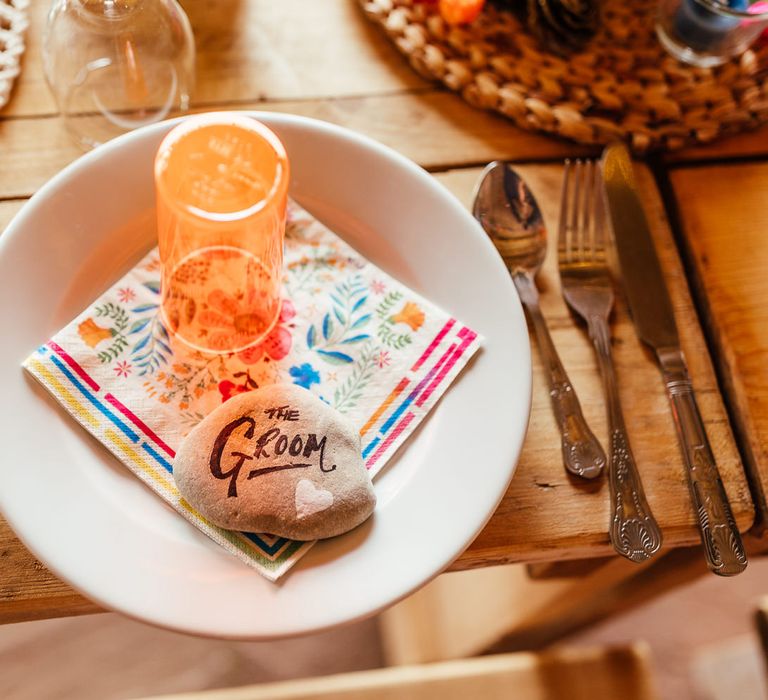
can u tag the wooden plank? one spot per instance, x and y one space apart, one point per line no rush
433 129
578 674
545 514
28 591
567 568
8 210
254 50
258 49
723 218
748 144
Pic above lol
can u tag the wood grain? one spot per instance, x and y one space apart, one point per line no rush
257 49
434 129
724 220
748 144
578 674
251 51
28 591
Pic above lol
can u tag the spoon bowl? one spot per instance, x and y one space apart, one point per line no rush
510 215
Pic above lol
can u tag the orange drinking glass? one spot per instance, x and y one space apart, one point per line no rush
222 184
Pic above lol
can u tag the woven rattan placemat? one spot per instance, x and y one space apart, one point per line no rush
623 84
13 24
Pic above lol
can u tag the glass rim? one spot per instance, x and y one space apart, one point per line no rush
188 124
87 7
725 11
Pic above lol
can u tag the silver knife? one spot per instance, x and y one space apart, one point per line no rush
654 321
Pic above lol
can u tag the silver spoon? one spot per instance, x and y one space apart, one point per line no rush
508 213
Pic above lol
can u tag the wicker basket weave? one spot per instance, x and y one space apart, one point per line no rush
13 24
623 85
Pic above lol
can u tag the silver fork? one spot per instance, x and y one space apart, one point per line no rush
588 289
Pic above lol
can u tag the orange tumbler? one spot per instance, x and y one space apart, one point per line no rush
222 185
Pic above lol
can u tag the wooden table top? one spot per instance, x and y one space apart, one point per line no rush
325 60
722 210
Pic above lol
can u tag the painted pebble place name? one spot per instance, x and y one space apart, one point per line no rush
276 460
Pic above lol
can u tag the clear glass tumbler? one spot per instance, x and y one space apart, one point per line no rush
222 185
707 32
115 65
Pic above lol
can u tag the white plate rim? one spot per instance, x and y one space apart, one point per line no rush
514 438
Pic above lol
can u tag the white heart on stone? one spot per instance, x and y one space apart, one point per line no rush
310 499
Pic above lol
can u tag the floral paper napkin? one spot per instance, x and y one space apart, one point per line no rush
357 338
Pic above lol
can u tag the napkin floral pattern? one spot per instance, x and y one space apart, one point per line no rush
348 332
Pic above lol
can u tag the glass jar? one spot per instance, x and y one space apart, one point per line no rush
115 65
708 32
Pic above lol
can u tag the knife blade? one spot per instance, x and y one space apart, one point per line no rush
653 316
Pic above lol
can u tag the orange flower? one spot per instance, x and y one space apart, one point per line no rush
411 315
232 321
277 344
460 11
92 334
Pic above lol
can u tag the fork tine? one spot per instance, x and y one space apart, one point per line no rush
592 233
589 202
600 215
575 212
585 234
564 238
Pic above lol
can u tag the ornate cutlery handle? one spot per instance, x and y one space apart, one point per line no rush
582 454
634 532
722 542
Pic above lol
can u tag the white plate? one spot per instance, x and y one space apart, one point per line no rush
97 527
